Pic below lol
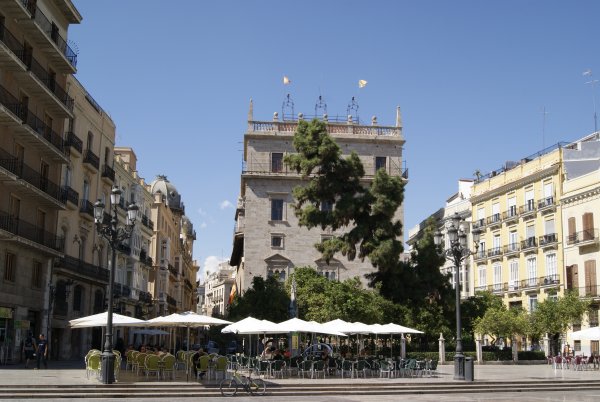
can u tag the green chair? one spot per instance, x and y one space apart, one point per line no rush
202 366
168 365
151 365
318 368
277 368
93 365
221 366
141 362
385 369
348 368
305 367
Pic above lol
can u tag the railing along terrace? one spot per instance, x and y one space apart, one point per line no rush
498 287
512 248
494 251
73 141
173 270
495 218
529 158
510 214
44 76
530 242
546 202
108 172
31 176
51 30
30 231
583 236
83 268
332 128
42 129
587 291
549 280
527 208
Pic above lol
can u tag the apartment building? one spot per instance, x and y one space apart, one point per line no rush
217 287
35 63
520 255
171 251
580 203
80 277
459 202
268 240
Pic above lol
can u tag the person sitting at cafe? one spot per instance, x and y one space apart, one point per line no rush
277 355
267 354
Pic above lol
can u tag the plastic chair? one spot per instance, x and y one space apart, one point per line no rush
277 368
151 365
385 369
129 359
221 366
141 362
92 365
202 366
168 364
305 367
348 367
318 367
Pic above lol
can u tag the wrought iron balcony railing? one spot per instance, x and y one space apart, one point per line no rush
73 141
31 176
584 236
548 239
91 158
42 129
108 172
72 195
80 267
530 242
86 207
31 232
44 76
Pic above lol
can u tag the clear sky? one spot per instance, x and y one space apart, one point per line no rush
472 79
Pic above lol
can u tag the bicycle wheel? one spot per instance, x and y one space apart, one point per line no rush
257 386
228 387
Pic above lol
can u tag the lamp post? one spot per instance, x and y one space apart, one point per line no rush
114 236
457 253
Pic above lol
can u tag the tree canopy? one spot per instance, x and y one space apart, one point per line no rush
266 300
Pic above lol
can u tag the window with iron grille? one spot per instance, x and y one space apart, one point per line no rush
9 267
36 275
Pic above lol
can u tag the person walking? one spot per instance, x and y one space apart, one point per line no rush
42 351
29 348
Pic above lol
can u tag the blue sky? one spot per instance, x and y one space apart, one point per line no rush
472 79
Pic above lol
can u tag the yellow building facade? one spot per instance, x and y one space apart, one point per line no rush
520 256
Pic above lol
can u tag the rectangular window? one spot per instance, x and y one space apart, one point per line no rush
276 162
9 267
513 241
588 226
514 274
497 277
496 212
276 210
529 201
591 288
532 303
380 162
531 271
482 276
36 275
497 245
530 235
512 206
276 241
572 231
551 270
548 193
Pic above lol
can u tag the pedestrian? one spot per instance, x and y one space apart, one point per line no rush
29 348
42 352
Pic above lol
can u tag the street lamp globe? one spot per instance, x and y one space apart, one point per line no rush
115 195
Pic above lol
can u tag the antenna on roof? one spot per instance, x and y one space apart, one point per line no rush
592 82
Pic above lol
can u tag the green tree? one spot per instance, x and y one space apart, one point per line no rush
498 321
367 210
266 299
555 316
475 307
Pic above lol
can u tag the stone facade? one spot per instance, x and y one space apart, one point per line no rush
268 240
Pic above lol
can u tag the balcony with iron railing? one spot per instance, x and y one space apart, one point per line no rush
512 215
31 232
11 110
147 222
91 160
549 280
495 252
480 254
583 238
173 271
12 60
86 209
493 221
53 94
79 267
548 240
547 204
145 297
43 131
511 249
108 174
498 287
479 223
528 210
72 196
529 244
591 290
73 142
47 35
26 174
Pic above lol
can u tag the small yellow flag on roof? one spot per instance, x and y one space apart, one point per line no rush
362 83
286 80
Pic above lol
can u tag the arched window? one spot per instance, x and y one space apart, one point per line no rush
78 298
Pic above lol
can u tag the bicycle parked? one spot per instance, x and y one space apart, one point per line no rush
253 386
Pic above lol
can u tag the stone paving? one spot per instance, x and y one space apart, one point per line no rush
72 373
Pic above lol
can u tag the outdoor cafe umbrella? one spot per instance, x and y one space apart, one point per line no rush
592 334
99 320
298 325
392 329
251 325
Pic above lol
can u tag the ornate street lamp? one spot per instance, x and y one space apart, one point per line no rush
114 236
457 253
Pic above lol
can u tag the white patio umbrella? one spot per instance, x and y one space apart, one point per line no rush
251 325
99 320
588 334
298 325
392 329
